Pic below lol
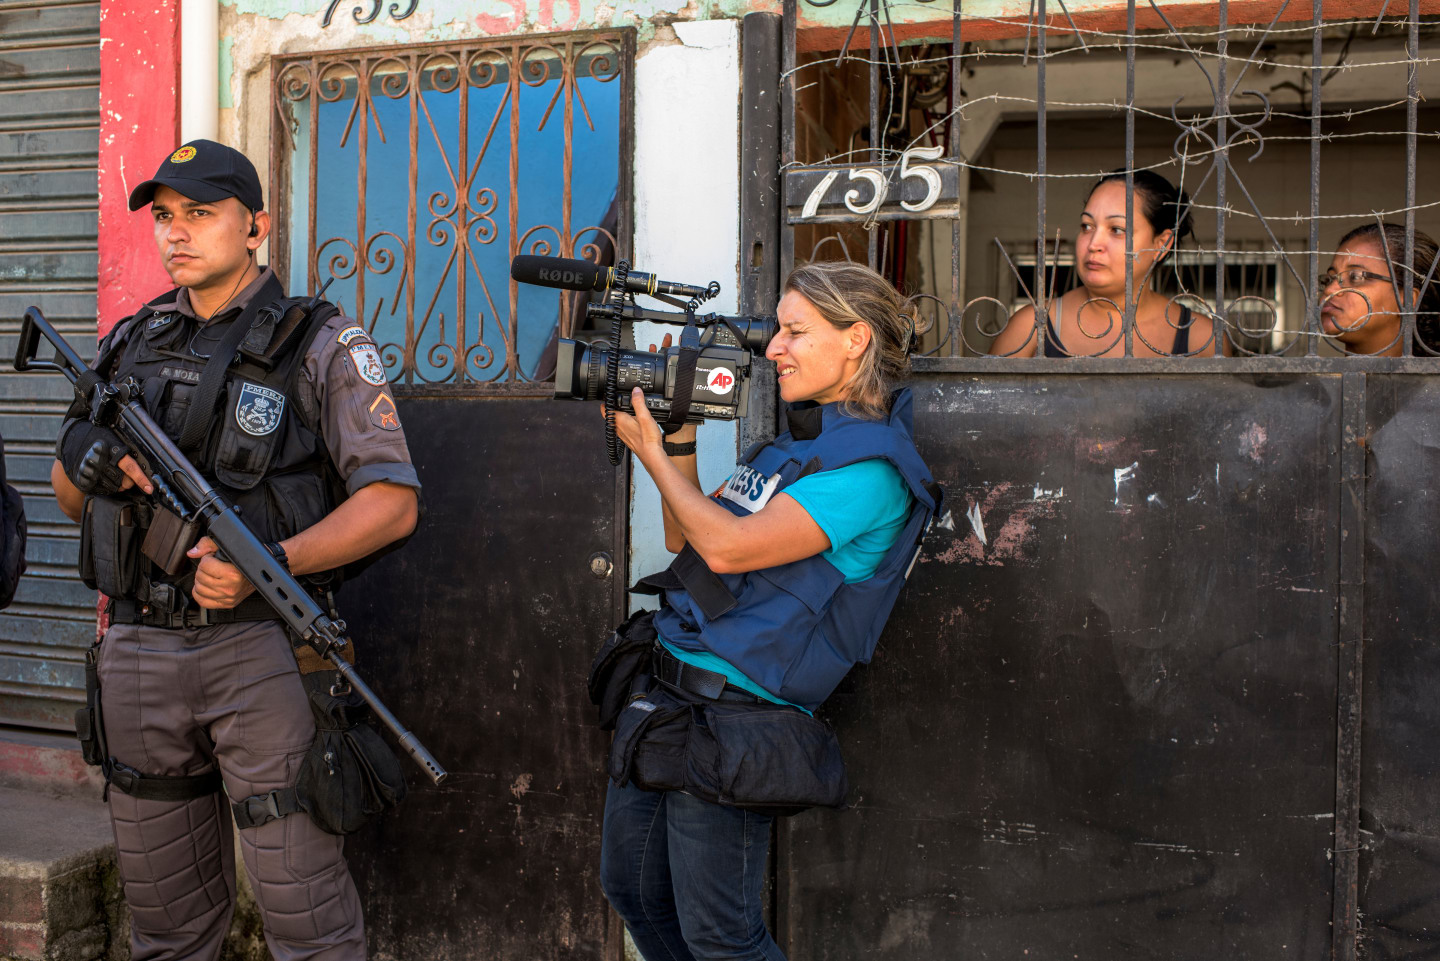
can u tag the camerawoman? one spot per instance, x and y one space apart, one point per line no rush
783 580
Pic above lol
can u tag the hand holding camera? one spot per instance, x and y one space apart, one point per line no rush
705 376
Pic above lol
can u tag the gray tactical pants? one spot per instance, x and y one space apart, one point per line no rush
181 702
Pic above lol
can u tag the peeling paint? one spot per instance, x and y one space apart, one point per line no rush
1252 443
977 523
227 73
1123 474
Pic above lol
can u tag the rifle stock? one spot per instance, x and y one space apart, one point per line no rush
184 490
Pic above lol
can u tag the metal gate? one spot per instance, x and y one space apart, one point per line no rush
1159 684
49 136
480 631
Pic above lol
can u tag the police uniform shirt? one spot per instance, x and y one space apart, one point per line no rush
343 391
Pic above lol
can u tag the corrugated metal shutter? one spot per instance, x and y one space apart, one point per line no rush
49 140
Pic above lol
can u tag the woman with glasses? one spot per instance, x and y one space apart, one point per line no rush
1361 294
1087 321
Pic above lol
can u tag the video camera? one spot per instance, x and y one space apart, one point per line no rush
706 375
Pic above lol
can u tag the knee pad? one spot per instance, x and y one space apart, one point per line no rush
301 882
172 859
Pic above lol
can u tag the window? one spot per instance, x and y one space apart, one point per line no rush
408 177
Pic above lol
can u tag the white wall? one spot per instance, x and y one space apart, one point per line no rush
687 217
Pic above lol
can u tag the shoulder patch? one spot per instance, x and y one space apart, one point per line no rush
383 414
366 358
349 334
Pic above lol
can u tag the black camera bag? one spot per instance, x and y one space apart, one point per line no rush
624 656
767 758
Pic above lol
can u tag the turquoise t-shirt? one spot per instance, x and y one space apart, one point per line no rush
862 509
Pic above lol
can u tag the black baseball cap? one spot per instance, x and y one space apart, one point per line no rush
206 171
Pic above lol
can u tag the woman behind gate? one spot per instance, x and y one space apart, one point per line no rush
785 576
1086 321
1360 294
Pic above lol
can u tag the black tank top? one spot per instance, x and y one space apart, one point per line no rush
1182 336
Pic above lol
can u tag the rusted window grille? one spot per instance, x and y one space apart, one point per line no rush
411 176
1285 133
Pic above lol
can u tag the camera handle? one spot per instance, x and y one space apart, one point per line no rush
684 374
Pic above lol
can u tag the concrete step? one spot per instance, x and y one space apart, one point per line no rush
47 762
60 894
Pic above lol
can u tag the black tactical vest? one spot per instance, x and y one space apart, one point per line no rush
261 451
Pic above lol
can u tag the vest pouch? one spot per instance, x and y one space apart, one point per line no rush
649 743
109 546
293 502
349 774
250 433
173 406
768 758
624 656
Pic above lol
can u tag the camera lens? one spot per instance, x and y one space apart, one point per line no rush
581 371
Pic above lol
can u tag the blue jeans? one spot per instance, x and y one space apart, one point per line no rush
686 875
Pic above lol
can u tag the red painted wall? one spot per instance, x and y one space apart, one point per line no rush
139 126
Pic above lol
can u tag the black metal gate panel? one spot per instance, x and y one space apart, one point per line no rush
1399 822
1102 721
479 634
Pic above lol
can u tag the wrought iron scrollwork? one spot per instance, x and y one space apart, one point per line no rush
416 256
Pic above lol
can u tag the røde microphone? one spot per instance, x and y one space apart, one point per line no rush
570 274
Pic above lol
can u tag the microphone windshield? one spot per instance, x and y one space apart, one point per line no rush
558 272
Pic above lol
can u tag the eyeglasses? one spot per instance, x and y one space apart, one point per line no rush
1352 277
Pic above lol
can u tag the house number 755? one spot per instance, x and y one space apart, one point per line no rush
880 184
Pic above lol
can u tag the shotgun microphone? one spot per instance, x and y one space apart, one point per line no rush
568 274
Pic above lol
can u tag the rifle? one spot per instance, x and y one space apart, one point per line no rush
184 490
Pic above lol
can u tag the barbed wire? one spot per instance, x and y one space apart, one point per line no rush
1055 24
1118 47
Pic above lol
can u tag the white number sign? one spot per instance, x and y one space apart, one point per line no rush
879 184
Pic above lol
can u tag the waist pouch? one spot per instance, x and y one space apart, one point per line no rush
110 546
766 758
350 774
624 656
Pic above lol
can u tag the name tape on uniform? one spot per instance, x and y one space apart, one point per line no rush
750 489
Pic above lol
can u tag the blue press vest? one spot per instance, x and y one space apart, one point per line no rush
797 629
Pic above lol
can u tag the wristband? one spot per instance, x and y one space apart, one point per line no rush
274 548
678 450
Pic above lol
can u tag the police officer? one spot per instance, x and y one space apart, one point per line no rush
284 406
785 576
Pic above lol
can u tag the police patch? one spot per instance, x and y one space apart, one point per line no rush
367 361
258 409
158 321
383 414
349 334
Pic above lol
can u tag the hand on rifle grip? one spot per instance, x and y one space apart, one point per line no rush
92 466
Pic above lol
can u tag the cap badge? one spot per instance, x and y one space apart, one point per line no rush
182 155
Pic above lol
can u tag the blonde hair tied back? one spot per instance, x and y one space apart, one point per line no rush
846 294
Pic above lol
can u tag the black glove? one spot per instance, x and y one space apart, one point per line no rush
97 472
